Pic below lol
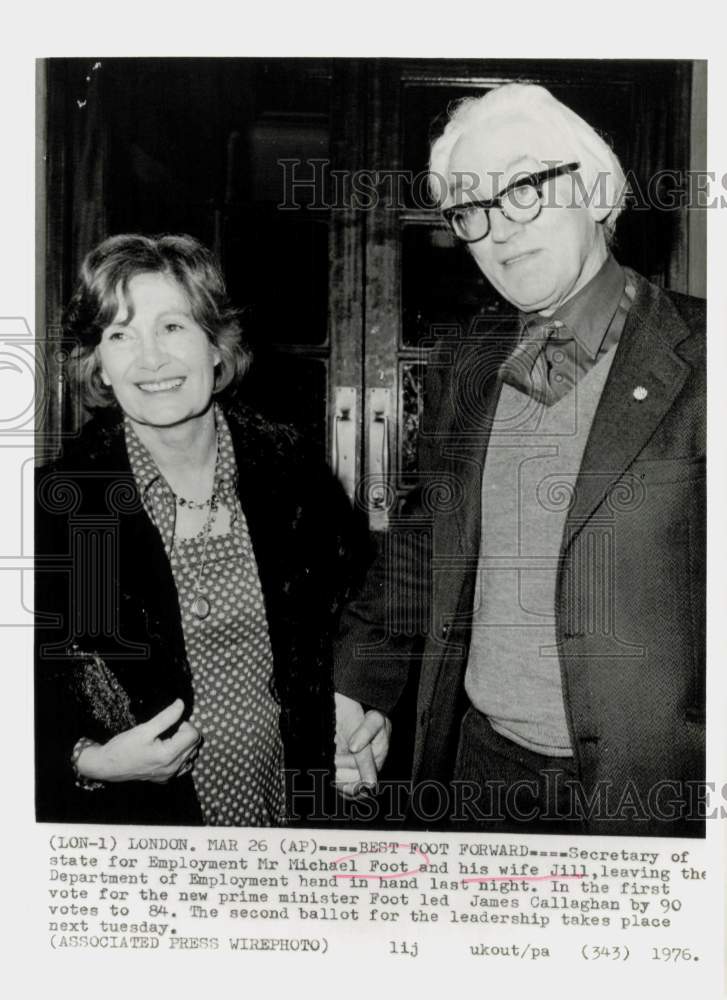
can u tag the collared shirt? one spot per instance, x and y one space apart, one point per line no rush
156 494
555 352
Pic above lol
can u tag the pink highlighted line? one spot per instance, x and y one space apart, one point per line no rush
382 875
425 860
517 878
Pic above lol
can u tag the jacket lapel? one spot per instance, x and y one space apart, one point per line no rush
627 417
268 499
144 644
473 398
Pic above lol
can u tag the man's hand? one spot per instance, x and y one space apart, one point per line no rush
140 755
362 743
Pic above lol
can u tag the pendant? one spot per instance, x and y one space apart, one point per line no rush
201 607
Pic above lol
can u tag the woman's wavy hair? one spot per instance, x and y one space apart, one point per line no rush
103 286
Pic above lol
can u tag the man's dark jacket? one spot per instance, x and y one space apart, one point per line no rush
114 653
630 601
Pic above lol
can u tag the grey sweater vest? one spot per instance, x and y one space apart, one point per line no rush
533 457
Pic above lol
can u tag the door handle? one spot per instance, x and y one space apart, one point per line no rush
343 437
380 420
379 489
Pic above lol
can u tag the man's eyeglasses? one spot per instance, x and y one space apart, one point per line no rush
520 201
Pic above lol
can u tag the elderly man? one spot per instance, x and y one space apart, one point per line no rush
561 594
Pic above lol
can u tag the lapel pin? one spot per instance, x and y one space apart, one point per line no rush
640 393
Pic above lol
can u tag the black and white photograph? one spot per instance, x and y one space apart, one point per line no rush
362 611
377 467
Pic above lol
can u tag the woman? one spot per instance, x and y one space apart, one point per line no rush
194 561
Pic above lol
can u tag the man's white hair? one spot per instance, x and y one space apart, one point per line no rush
601 173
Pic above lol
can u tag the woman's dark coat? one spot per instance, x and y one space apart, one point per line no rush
110 648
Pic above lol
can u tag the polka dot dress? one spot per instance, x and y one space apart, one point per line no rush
238 773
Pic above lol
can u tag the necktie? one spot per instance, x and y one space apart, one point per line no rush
527 366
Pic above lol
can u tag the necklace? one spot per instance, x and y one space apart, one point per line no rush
192 504
199 504
200 606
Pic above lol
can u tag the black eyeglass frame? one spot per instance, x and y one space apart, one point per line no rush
534 181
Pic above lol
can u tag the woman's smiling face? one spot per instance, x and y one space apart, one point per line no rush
155 357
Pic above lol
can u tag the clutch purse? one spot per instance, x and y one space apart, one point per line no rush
100 695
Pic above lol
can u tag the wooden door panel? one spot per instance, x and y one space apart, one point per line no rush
338 294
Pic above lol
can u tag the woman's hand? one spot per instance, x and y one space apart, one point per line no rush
140 755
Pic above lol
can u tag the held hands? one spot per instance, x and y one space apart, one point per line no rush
362 743
140 755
